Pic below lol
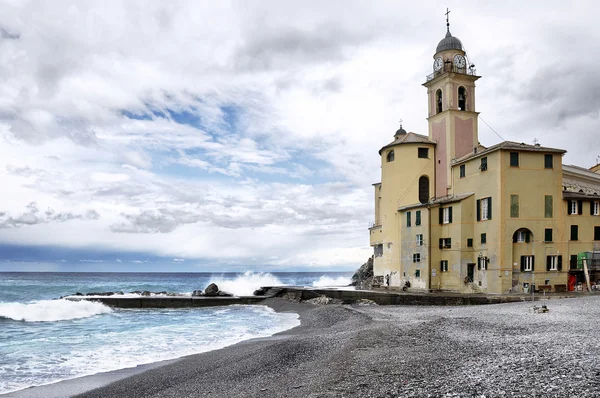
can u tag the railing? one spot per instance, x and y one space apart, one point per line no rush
374 224
451 68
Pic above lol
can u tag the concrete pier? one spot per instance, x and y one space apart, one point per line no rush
301 293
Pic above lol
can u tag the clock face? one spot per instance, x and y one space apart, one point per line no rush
459 61
438 63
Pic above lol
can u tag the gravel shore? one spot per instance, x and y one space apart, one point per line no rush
503 350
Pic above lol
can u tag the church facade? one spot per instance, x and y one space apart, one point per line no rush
453 215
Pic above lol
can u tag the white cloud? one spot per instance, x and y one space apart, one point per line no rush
258 133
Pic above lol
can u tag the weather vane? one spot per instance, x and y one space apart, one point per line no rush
401 123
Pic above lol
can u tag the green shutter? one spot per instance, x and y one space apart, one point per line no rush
548 206
408 222
522 263
580 207
514 206
548 235
574 232
489 208
441 215
450 214
532 263
596 233
418 217
559 267
548 262
478 209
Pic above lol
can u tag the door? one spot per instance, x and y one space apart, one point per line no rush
471 272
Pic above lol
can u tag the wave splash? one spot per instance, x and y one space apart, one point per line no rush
327 281
51 310
246 284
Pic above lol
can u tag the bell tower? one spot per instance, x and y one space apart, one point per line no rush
451 103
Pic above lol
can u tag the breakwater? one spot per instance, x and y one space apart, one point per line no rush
300 293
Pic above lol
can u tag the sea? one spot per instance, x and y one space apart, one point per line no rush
45 339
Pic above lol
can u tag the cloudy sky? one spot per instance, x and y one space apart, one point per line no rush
233 135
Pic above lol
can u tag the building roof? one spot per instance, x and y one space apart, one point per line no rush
409 138
439 201
449 43
509 146
579 195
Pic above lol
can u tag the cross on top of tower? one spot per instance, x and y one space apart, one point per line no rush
401 123
447 19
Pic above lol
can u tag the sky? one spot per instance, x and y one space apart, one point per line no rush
234 135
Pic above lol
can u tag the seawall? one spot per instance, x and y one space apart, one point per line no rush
300 293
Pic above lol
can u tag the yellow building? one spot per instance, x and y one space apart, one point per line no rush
451 214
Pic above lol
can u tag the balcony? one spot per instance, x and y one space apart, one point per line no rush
375 235
592 265
449 67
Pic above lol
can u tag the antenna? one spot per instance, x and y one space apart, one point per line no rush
535 141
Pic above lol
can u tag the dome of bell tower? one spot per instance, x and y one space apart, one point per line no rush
449 43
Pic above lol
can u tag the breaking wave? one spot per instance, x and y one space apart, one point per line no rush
327 281
51 310
247 283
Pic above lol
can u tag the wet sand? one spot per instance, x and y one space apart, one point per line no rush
390 351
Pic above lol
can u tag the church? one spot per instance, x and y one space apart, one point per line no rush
454 215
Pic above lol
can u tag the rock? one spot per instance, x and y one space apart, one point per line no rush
363 277
211 290
260 291
224 294
322 300
78 294
146 293
197 293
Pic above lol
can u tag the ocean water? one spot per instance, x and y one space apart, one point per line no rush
44 339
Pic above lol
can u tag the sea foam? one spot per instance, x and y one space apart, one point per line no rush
51 310
327 281
246 284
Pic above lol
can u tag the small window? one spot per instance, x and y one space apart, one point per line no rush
484 209
469 242
548 161
408 222
514 206
554 263
521 236
445 243
462 98
483 166
390 156
574 232
423 189
423 153
462 171
418 217
483 239
514 159
445 215
595 208
444 266
548 235
482 263
527 263
574 264
575 207
548 206
438 101
418 273
419 240
596 233
417 258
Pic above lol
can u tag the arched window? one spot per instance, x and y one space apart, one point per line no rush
438 101
462 98
522 235
390 156
423 189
